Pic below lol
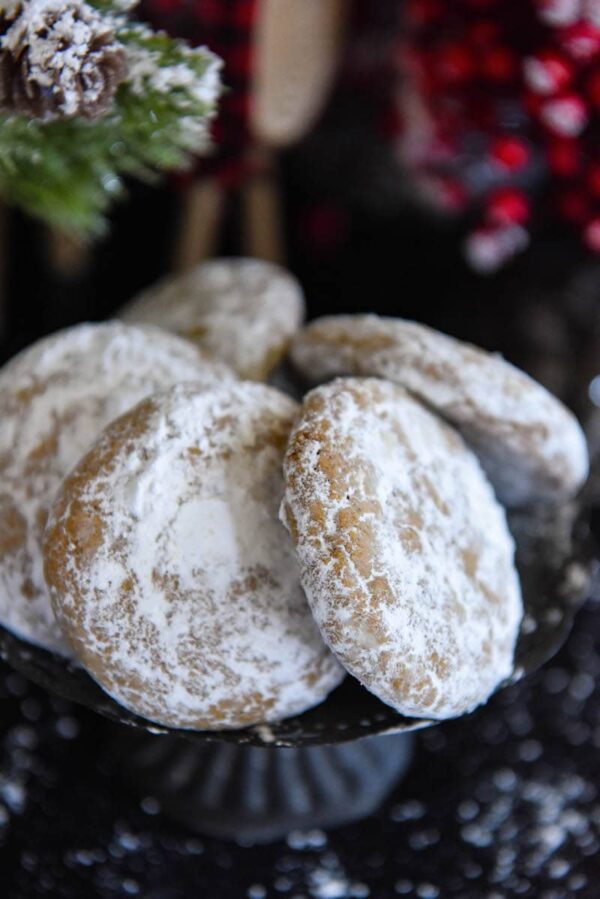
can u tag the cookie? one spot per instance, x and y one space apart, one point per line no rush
405 553
243 311
55 398
531 447
170 572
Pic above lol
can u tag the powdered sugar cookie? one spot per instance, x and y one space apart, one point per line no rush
170 572
529 444
405 553
243 311
55 398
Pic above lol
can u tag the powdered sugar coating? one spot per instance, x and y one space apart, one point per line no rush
55 398
405 553
171 573
243 311
531 447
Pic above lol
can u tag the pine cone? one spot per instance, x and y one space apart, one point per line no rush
7 16
60 59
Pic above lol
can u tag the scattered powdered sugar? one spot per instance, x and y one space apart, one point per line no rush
405 553
517 771
146 71
171 573
330 881
241 310
529 444
265 733
24 739
55 398
323 877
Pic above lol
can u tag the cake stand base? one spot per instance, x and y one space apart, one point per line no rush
254 795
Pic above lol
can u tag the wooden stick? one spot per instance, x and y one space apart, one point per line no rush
199 224
262 215
297 48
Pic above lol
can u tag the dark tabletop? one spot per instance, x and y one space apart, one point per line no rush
503 803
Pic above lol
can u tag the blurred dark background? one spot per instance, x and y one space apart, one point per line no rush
351 253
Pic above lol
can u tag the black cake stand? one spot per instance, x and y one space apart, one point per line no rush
338 761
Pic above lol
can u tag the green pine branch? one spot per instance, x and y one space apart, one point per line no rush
68 172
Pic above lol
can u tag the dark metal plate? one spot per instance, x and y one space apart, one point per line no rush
556 558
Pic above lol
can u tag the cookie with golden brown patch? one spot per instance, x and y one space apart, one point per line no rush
531 447
405 553
55 398
170 573
243 311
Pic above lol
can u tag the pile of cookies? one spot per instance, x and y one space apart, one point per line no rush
217 555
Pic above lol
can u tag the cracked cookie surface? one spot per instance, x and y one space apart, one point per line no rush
170 572
405 553
531 447
55 398
243 311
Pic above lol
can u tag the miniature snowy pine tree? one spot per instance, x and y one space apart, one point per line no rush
88 96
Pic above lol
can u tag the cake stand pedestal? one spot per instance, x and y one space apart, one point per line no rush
338 761
256 795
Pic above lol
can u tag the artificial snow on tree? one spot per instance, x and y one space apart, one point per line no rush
60 60
88 96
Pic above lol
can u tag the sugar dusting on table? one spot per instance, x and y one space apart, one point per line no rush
501 805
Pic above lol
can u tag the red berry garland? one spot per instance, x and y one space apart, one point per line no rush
501 113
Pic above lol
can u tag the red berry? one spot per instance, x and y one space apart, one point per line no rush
516 84
488 248
547 72
591 11
591 235
532 104
563 157
455 63
508 206
483 33
558 12
593 89
573 206
566 115
499 64
510 152
581 40
422 12
484 251
593 178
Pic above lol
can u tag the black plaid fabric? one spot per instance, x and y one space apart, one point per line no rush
226 27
